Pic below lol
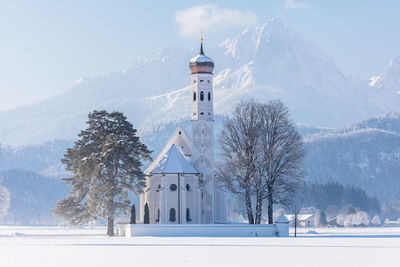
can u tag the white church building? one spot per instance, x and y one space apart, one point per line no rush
181 187
181 197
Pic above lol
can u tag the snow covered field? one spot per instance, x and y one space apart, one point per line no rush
53 246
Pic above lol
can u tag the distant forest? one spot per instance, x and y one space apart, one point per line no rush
323 196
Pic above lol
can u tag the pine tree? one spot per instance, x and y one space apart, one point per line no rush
376 221
106 165
322 219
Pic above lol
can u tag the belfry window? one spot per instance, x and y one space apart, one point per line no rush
201 96
194 96
172 215
209 96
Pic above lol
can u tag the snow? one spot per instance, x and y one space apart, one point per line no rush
201 58
54 246
173 162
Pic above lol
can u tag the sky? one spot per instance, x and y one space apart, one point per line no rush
47 45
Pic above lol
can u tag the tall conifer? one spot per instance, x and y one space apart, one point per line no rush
105 163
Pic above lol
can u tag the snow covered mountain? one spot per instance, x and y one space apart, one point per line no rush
385 88
265 62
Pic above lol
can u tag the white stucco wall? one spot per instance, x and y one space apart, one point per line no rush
215 230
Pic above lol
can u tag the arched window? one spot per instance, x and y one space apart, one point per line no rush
209 96
188 215
201 95
187 187
172 215
194 96
133 215
146 219
158 215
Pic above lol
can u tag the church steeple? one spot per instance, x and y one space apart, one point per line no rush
201 63
202 123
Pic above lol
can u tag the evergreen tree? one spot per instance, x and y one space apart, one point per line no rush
376 221
321 196
106 163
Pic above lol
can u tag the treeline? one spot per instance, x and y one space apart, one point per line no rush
322 196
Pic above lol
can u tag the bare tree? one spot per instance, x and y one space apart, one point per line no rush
294 208
281 165
240 144
262 156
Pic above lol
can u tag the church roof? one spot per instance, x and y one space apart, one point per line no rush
181 140
172 162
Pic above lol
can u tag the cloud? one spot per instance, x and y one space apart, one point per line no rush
293 4
211 18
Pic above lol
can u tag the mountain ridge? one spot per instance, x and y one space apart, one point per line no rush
265 62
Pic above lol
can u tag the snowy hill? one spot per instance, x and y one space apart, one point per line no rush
43 159
389 122
367 158
365 154
265 62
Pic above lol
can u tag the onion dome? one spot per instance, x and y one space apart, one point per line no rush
201 63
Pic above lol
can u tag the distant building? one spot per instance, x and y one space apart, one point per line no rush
333 223
389 223
304 220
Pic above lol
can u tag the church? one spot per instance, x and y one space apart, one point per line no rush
181 187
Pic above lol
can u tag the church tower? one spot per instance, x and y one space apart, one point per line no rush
202 123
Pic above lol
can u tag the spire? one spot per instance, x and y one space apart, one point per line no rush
201 42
